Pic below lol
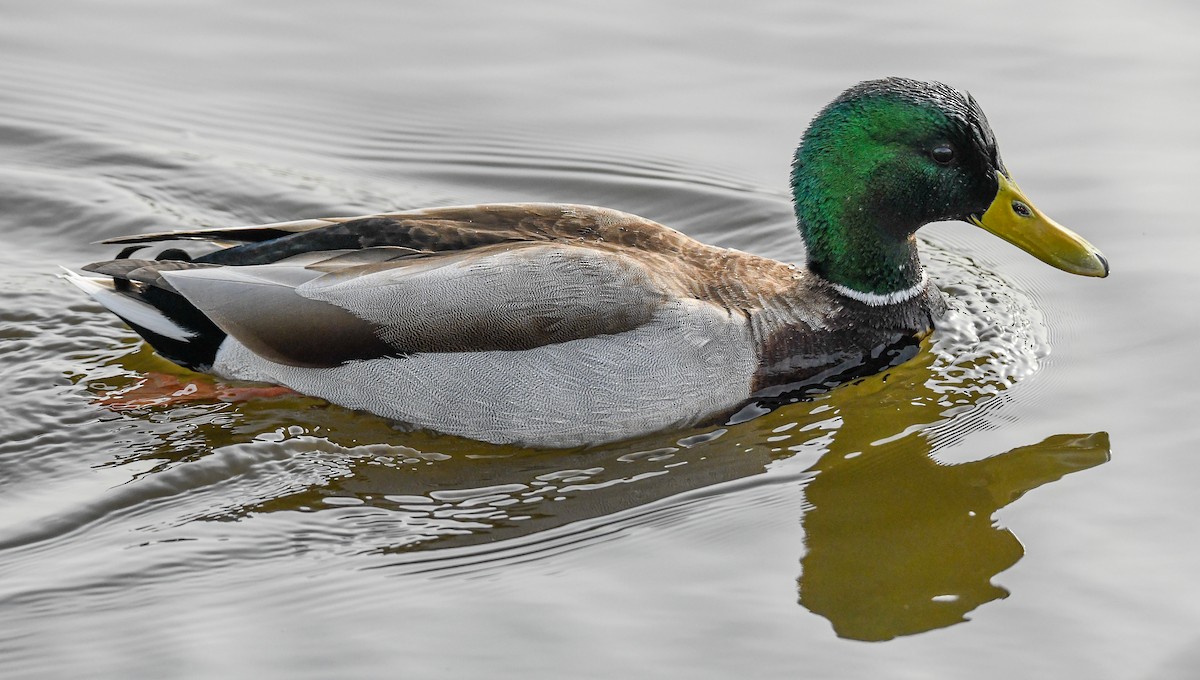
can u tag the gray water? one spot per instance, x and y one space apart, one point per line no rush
1016 501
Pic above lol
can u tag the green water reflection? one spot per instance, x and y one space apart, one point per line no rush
899 544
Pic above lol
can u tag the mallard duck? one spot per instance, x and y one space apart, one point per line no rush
561 325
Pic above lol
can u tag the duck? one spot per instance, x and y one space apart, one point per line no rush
556 325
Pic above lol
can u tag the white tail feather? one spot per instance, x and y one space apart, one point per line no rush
130 309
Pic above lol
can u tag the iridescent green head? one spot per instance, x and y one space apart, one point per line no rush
889 156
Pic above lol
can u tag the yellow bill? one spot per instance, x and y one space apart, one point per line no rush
1013 218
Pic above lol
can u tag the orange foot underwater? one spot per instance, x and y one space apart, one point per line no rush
165 389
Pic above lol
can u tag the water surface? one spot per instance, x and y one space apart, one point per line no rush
1015 501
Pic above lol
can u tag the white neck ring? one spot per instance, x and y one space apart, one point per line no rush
878 300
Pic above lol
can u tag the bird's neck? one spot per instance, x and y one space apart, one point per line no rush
856 243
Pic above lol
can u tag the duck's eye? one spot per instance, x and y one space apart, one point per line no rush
942 153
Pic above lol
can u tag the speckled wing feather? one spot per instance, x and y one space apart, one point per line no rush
457 279
434 230
446 228
509 297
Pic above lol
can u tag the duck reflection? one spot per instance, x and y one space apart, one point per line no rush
899 544
896 543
